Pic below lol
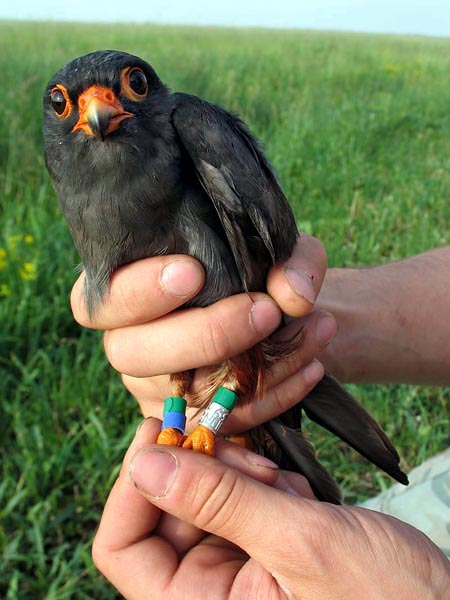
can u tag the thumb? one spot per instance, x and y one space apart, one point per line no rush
295 284
215 498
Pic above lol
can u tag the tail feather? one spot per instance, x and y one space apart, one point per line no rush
332 407
297 454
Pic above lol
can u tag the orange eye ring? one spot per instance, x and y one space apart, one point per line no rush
134 83
60 101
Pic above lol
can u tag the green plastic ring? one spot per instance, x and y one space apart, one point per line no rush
225 398
175 404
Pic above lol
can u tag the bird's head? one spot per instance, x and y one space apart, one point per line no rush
107 130
100 109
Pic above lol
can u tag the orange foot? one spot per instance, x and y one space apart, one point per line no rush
200 440
170 436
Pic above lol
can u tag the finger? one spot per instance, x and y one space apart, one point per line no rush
246 462
295 284
194 337
141 291
291 379
127 521
311 334
115 530
208 494
149 392
288 381
275 401
294 484
182 535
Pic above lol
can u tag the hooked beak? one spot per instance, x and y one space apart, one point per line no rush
100 112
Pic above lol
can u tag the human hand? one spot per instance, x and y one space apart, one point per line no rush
144 339
189 526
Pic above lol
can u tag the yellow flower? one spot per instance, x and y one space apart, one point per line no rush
391 68
13 240
28 239
2 258
28 271
4 289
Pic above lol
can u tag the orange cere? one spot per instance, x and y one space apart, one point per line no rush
101 101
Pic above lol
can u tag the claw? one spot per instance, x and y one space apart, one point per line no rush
200 440
243 439
170 436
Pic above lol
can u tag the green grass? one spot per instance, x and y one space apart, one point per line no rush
358 128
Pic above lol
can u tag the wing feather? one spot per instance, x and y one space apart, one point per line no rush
239 180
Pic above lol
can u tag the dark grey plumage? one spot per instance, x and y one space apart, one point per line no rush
180 175
147 190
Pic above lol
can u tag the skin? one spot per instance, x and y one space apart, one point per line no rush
393 324
138 318
165 520
226 539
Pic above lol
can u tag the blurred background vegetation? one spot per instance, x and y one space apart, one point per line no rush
358 128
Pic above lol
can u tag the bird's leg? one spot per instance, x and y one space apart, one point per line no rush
202 438
174 418
174 422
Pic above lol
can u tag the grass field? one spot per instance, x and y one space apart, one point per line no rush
358 128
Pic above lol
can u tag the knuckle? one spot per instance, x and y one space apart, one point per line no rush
98 554
216 501
278 401
137 385
114 350
288 393
290 365
297 360
78 307
130 383
214 341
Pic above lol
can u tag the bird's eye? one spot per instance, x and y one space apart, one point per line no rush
138 82
60 101
134 83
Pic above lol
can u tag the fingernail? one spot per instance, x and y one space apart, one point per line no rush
283 484
301 282
265 316
181 278
153 471
292 492
312 373
141 423
257 460
326 329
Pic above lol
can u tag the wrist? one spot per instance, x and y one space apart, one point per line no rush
359 302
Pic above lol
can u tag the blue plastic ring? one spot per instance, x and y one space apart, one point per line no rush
174 419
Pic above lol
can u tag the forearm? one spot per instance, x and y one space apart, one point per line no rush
393 321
